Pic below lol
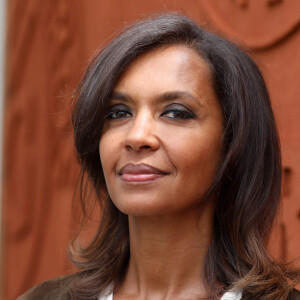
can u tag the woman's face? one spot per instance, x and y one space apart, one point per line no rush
162 139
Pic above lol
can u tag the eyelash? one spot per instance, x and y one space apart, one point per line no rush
115 111
126 113
175 111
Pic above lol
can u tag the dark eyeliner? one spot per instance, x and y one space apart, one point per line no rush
118 109
186 113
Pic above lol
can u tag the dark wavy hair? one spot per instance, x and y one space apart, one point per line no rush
248 180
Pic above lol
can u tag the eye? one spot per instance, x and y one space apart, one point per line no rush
178 113
119 112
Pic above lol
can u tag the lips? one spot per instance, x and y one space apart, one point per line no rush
140 173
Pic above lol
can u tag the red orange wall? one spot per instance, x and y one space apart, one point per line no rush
49 44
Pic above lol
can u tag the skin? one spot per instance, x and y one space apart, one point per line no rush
164 113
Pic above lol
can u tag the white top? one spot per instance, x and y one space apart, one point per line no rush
231 295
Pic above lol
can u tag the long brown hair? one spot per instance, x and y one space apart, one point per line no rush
248 180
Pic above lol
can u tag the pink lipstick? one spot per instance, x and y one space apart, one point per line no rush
140 173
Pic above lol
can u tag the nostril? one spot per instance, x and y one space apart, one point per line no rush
137 147
141 137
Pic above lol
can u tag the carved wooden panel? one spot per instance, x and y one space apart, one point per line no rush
260 23
49 44
44 48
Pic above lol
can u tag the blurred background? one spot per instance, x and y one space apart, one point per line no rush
44 49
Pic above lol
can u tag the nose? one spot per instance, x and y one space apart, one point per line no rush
141 134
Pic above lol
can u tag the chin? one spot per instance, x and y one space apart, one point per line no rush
140 208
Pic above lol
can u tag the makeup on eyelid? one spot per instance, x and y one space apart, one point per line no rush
172 111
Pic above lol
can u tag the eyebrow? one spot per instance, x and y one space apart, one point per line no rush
120 96
164 97
173 95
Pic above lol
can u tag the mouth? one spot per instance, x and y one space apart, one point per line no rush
140 173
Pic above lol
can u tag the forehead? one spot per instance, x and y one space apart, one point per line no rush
167 64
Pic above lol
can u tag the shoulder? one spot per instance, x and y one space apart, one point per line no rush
294 295
56 288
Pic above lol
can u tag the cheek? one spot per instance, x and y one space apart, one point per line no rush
109 145
108 154
195 150
196 159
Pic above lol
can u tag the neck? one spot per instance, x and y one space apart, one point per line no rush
167 254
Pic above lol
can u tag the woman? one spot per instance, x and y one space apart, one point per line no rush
174 128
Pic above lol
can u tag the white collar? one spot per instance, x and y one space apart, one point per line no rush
230 295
